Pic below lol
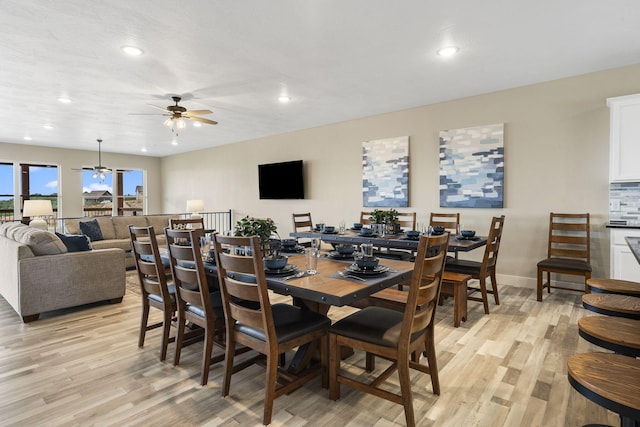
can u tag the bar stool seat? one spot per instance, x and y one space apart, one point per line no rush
613 333
613 305
614 286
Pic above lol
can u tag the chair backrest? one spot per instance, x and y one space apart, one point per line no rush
493 245
425 285
450 221
405 219
186 223
302 222
151 271
569 236
236 292
188 269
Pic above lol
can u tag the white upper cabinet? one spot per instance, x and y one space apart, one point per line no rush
624 157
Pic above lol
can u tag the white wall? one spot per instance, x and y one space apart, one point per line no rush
70 182
556 159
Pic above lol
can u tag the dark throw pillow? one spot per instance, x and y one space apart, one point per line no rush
91 229
75 242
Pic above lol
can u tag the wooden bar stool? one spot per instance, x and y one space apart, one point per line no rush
614 286
613 333
613 305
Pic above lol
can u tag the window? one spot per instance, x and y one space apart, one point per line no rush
6 192
97 194
130 194
40 182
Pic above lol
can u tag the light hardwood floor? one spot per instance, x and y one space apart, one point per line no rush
83 367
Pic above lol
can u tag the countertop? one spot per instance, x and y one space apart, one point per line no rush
630 227
634 244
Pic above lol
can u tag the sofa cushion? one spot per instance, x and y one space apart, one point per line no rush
124 244
159 222
92 230
121 225
7 229
75 242
41 242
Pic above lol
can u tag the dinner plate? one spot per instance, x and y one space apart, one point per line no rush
338 255
354 269
287 269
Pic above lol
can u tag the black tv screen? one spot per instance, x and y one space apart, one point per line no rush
281 180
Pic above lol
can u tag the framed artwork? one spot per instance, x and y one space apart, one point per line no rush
472 167
385 172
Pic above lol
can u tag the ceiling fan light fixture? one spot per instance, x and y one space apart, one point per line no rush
169 122
180 123
95 175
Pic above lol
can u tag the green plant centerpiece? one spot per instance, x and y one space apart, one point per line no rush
263 228
387 218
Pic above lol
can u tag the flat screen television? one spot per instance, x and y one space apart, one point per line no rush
281 180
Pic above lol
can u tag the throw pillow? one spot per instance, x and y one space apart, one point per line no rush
91 229
75 243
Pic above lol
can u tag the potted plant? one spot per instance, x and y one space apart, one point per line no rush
263 228
377 216
391 220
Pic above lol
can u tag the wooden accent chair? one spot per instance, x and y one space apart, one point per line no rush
568 251
186 223
268 329
302 222
484 269
195 302
393 335
155 290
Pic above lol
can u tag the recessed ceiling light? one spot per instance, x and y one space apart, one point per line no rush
64 100
144 150
132 50
27 138
48 127
197 124
447 51
284 99
174 142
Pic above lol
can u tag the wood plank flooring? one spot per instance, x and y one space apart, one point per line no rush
82 367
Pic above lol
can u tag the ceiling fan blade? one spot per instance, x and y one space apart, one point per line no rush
148 114
201 120
159 108
198 112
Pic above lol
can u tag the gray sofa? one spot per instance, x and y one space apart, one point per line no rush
38 274
115 231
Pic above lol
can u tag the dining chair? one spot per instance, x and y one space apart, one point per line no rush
186 223
302 222
268 329
155 290
450 221
397 336
196 303
568 250
405 219
481 270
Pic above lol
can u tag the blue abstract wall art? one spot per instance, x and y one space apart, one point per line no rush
385 172
472 167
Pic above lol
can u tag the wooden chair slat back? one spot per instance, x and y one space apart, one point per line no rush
302 222
151 274
450 221
186 223
405 219
569 236
493 244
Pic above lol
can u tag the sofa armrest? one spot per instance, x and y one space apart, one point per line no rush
53 282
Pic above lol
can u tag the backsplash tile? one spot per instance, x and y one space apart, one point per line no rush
624 202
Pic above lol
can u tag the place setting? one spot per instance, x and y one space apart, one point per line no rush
342 252
365 265
277 265
290 246
468 235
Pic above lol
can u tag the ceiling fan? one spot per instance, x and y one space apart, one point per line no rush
99 171
178 113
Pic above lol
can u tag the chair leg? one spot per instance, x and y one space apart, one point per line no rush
370 362
539 287
143 321
324 352
405 390
209 334
549 282
166 328
180 325
230 352
483 290
494 287
270 387
432 361
334 367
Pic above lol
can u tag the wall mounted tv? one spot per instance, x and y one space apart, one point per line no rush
281 180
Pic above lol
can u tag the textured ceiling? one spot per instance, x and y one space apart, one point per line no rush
337 59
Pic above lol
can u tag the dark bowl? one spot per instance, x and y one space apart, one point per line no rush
345 249
468 233
329 229
412 234
438 230
288 243
276 263
366 231
367 263
357 225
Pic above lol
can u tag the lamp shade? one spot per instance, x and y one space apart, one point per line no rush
195 205
34 208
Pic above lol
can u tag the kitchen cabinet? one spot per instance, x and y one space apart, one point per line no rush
624 143
624 265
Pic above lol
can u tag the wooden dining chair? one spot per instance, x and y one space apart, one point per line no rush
393 335
482 270
405 219
268 329
196 303
302 222
568 250
186 223
155 290
450 221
